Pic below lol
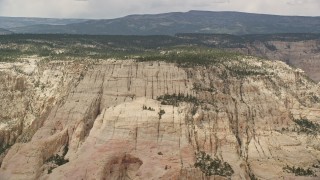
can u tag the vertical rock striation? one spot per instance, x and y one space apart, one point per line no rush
241 113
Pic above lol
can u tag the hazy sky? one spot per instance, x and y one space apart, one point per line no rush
104 9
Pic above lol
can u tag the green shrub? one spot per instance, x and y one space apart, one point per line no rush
307 126
3 149
253 177
141 48
161 112
298 171
211 166
144 107
57 159
199 87
316 165
175 99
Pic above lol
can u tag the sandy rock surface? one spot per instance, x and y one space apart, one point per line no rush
92 115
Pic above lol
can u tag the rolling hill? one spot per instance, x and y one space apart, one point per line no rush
4 32
21 22
183 22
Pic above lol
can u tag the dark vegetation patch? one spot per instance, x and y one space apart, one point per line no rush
189 56
316 165
57 160
271 47
239 41
141 48
210 166
186 50
144 107
253 177
307 126
200 87
245 70
4 148
298 171
80 46
160 113
191 48
314 98
175 99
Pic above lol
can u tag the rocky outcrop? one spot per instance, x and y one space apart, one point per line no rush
29 90
300 54
150 120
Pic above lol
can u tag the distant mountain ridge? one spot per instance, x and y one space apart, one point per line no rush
16 22
237 23
4 32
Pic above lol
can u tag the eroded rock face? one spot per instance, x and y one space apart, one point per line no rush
29 90
108 122
300 54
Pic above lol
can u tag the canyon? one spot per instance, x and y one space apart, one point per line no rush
204 95
301 54
130 119
297 50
